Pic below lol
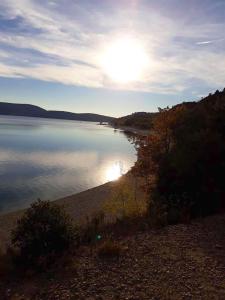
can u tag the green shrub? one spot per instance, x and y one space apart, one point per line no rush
109 249
43 233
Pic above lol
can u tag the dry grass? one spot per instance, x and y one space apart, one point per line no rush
128 200
6 264
109 249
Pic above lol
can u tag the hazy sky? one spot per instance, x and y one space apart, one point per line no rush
51 52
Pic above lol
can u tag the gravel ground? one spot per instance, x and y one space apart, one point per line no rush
176 262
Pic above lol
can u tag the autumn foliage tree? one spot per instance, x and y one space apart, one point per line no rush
183 159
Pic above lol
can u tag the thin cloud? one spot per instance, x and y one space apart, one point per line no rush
204 43
209 42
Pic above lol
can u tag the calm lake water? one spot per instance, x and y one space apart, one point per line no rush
49 159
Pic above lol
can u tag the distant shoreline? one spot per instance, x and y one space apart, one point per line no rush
134 130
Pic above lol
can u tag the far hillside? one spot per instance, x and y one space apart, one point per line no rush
142 120
28 110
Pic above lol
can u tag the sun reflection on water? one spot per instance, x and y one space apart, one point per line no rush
114 172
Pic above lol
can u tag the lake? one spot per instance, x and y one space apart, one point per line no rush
49 159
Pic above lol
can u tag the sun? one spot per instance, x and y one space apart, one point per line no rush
125 60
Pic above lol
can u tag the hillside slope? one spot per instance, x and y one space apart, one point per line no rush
141 120
144 120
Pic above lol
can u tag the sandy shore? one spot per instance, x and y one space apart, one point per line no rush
78 206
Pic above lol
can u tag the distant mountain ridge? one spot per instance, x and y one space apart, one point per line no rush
29 110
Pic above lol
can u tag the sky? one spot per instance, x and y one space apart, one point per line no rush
53 53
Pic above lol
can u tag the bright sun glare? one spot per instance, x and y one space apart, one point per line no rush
125 60
114 172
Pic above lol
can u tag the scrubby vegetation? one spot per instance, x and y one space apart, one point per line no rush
42 234
183 159
90 232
